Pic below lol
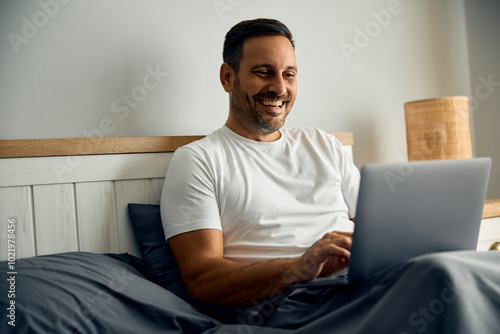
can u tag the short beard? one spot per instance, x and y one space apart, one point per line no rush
247 112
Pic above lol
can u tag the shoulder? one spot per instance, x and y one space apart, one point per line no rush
313 136
194 159
306 131
201 146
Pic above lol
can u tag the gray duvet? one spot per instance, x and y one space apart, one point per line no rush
456 292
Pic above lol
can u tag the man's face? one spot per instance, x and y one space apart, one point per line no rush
265 87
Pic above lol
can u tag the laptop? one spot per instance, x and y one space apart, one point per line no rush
410 209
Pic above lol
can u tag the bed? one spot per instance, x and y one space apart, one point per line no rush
83 248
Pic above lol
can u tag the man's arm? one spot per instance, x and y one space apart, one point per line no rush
211 278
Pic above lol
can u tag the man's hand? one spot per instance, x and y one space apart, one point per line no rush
326 257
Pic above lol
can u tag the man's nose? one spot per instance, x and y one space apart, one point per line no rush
277 85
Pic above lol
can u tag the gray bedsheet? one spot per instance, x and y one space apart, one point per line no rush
89 293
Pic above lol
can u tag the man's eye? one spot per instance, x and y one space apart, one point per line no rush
261 73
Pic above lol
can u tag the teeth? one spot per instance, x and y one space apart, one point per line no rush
274 103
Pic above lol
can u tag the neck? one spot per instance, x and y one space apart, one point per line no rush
251 133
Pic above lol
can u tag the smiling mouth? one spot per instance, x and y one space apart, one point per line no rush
272 103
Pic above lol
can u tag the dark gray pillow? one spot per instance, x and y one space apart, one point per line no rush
161 266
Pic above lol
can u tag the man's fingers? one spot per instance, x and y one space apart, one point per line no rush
340 250
341 239
327 248
347 234
340 233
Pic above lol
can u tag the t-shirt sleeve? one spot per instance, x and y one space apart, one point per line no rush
350 181
188 201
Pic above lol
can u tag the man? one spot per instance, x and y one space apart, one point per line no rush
254 208
241 207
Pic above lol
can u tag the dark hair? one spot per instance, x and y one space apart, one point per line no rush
233 44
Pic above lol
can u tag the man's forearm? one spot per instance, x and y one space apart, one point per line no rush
230 283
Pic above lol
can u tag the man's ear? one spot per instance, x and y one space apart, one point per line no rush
226 77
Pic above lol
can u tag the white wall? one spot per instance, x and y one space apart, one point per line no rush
483 32
65 65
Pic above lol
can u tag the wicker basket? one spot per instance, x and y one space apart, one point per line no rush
438 128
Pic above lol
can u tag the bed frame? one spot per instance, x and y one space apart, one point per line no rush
71 194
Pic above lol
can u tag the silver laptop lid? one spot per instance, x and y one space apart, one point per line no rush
409 209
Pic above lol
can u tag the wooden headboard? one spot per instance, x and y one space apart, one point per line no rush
72 194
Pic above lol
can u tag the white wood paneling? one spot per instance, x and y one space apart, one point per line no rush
96 212
15 203
88 168
55 218
146 191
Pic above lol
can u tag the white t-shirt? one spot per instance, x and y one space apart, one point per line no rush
270 199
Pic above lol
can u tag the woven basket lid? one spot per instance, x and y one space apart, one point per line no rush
438 128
